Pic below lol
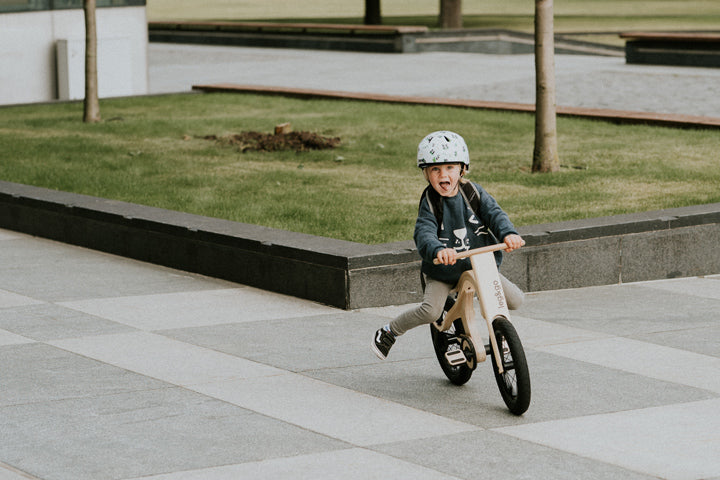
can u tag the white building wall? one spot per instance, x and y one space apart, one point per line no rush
28 46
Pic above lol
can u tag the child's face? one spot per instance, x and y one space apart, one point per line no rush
444 178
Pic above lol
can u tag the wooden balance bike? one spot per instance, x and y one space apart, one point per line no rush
456 336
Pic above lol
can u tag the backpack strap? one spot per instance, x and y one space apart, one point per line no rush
434 203
471 195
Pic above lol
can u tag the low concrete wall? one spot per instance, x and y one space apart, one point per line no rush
670 243
345 37
652 245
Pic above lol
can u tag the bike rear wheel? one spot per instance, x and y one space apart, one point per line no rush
450 340
514 382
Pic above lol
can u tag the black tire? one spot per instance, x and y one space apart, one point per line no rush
514 382
443 341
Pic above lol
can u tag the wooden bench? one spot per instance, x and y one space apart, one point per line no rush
369 38
682 49
351 29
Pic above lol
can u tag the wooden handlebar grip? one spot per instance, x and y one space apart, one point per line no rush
475 251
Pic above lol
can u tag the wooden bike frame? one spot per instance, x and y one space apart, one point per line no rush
483 282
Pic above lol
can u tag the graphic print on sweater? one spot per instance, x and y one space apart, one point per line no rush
462 242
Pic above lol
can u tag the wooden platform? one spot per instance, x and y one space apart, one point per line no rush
614 116
693 49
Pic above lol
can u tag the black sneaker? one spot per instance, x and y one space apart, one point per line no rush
382 342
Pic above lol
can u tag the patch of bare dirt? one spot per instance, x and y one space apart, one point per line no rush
273 142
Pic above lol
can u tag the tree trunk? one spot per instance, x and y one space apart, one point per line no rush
451 14
545 155
92 103
372 12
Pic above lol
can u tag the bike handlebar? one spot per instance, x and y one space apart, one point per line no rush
475 251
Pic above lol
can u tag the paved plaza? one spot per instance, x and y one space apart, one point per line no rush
582 80
116 369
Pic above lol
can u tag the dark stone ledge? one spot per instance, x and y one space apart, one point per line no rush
643 246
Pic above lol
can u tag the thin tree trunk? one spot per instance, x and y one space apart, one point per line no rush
372 12
451 14
92 103
545 155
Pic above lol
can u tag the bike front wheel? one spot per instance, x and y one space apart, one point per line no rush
514 382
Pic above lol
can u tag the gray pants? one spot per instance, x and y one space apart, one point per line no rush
434 300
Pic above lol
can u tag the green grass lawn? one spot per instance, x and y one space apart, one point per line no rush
571 16
324 9
150 150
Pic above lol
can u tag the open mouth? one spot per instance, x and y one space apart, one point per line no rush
446 186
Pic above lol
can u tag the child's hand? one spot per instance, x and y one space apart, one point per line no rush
447 256
513 242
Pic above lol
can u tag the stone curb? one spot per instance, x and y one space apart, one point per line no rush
634 247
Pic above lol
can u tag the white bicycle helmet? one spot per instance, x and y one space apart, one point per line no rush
442 147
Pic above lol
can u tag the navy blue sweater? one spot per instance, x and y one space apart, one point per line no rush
461 229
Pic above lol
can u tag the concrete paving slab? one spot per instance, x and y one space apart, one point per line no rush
197 308
675 442
8 235
165 359
350 464
42 274
537 333
627 309
488 454
699 287
653 361
338 339
703 340
9 473
36 373
47 321
324 408
9 299
561 388
148 432
8 338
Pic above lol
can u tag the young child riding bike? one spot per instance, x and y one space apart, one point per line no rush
454 215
